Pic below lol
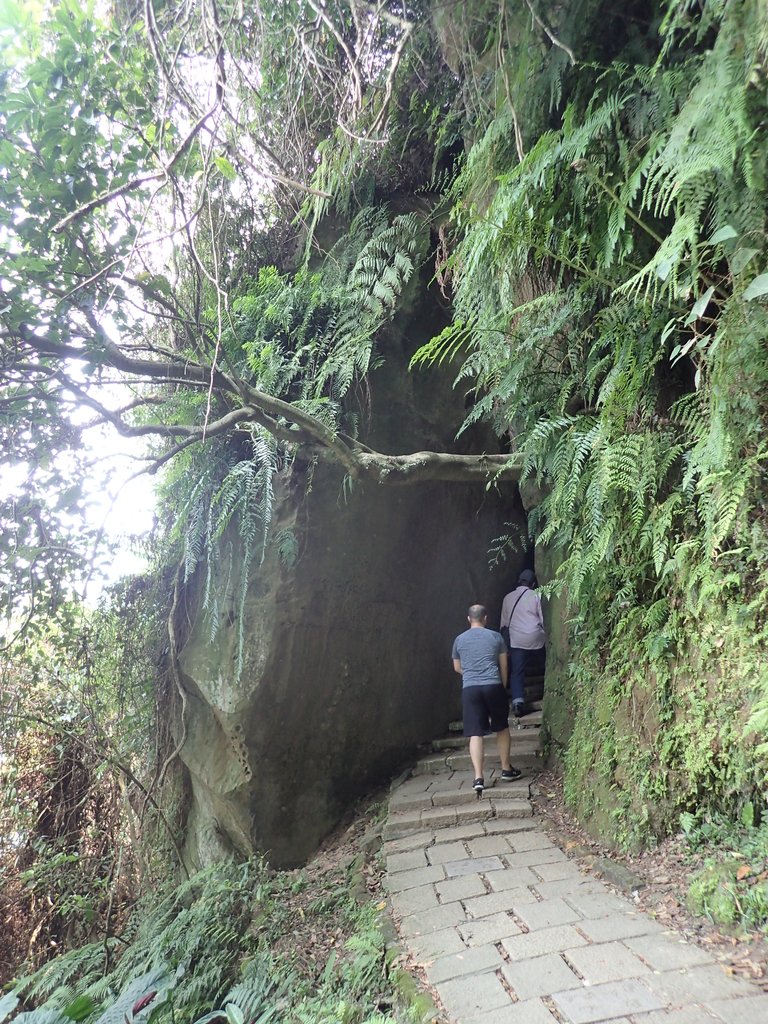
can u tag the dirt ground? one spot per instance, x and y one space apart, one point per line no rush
320 922
665 872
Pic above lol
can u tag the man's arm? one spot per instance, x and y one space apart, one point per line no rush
503 669
457 665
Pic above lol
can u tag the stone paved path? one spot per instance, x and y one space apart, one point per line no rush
510 931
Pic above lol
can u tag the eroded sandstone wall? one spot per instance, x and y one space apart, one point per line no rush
347 662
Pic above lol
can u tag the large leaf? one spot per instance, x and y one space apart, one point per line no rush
159 980
8 1004
757 287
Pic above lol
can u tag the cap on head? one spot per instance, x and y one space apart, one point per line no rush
527 577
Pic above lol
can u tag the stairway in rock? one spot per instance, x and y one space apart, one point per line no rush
440 794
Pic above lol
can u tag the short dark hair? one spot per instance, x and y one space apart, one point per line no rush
477 612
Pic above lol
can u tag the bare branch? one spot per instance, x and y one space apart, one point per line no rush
548 32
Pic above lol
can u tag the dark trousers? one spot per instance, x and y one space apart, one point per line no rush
520 661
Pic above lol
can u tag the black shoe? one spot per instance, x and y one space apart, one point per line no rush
518 709
510 774
479 784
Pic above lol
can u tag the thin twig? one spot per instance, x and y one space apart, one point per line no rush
550 33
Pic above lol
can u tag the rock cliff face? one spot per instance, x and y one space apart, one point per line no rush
347 662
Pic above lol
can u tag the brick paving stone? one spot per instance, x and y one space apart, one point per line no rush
467 997
557 871
580 885
407 861
442 852
531 841
402 803
512 808
532 1011
479 811
438 817
457 832
441 784
509 825
432 945
667 953
698 985
477 960
462 762
511 879
415 785
748 1010
465 779
488 846
399 825
547 914
533 857
601 1002
548 940
429 764
414 901
454 798
402 880
621 926
460 888
598 904
606 961
511 899
688 1015
488 929
448 915
540 976
472 865
518 790
414 841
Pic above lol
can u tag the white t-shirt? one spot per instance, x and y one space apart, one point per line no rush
526 630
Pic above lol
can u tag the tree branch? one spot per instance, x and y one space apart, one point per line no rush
548 32
275 415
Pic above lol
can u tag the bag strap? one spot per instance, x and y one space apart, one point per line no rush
517 602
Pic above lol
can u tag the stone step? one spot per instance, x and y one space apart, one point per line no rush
528 758
521 737
532 720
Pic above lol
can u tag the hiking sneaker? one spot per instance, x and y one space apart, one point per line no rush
510 774
479 784
518 709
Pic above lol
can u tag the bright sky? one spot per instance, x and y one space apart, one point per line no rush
123 507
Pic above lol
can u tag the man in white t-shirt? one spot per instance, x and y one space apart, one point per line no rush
521 614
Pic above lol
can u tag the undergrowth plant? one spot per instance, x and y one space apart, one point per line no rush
212 949
731 888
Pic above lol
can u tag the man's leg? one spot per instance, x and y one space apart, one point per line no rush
502 744
476 753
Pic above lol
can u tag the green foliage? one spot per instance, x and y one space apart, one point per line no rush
732 887
610 319
201 951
